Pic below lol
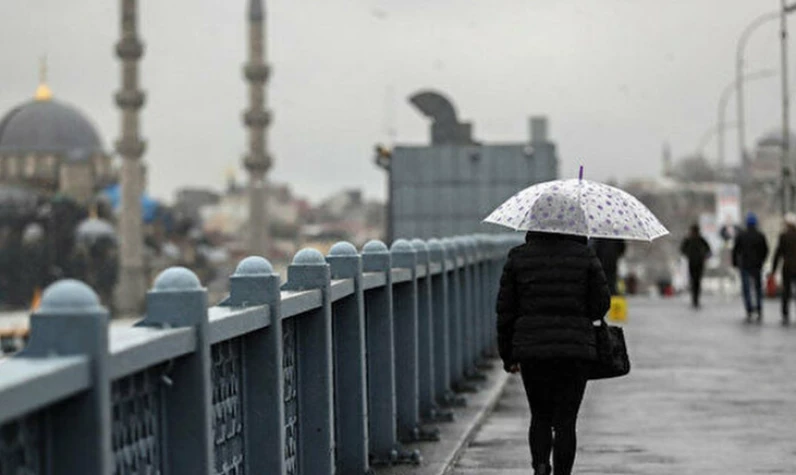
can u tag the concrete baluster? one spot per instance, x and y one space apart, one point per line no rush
407 373
348 320
71 322
380 343
308 271
177 299
255 283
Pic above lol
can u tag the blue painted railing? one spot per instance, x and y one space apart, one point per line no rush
328 373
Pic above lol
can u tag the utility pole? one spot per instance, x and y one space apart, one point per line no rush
726 94
739 80
787 198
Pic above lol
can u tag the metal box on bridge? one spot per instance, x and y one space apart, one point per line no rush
447 188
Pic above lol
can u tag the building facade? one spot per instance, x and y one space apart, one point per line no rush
447 187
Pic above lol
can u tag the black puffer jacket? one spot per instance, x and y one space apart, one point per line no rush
552 288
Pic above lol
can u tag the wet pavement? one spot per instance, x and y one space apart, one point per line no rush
707 394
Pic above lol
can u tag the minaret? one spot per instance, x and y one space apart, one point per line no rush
132 279
256 119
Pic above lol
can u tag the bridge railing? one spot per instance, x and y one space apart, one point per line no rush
328 373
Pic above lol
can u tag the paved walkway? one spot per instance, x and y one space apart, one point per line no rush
707 395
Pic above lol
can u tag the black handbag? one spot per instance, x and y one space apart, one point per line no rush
612 360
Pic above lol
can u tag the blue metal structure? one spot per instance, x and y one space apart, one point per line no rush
328 373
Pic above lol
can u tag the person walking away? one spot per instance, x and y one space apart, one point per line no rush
34 269
786 253
552 290
697 251
609 251
748 255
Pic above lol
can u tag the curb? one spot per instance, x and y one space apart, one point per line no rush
469 434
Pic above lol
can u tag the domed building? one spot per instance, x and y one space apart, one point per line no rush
766 164
50 146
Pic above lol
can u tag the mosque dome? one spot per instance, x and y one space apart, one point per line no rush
45 125
51 147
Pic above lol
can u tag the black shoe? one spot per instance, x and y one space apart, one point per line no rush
785 321
748 317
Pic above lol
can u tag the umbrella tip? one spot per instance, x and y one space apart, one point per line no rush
580 174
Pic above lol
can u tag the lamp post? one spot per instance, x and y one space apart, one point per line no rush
739 78
722 110
787 199
711 132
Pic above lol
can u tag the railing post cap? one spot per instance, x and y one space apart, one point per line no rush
69 296
343 249
253 266
176 279
374 247
419 245
402 245
308 257
435 244
449 243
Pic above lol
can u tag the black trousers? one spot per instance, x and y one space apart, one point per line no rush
555 390
787 290
695 274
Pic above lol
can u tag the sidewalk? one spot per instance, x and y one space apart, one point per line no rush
707 395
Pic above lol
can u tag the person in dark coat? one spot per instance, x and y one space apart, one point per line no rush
748 255
786 253
697 251
552 291
34 268
609 251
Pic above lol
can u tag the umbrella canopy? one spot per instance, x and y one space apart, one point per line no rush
579 207
94 229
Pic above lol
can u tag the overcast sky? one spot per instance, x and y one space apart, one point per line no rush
617 78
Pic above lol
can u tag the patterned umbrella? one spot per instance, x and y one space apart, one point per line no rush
579 207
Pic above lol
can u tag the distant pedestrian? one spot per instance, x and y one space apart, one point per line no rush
786 252
552 291
609 251
34 266
748 255
696 249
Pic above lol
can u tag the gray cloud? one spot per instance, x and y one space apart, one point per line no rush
616 77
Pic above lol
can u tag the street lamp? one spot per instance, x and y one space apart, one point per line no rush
706 136
722 111
785 161
739 77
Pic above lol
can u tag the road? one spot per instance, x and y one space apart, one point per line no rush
707 394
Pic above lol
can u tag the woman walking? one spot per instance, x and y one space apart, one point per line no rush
552 290
552 293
